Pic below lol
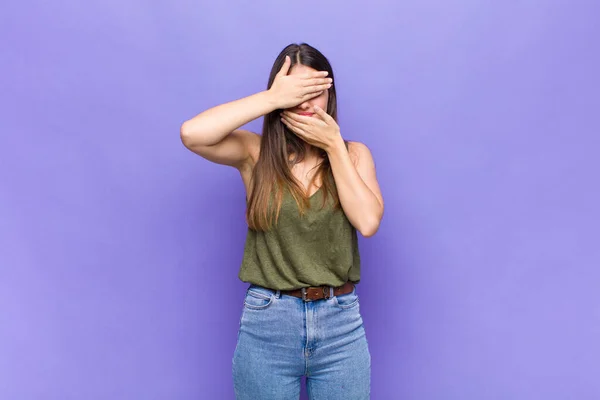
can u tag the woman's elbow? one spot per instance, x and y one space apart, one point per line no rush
369 229
185 134
189 135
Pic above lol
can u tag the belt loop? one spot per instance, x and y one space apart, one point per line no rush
277 294
330 292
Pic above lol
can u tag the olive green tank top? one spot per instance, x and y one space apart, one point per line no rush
318 248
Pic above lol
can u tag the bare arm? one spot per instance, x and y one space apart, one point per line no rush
357 185
214 134
353 169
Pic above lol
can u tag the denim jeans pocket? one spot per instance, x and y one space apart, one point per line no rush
258 298
347 300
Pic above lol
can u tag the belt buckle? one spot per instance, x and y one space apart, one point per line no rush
304 295
325 290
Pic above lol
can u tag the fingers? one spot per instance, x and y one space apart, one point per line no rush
321 113
294 126
317 81
313 91
311 95
316 74
285 68
320 88
294 120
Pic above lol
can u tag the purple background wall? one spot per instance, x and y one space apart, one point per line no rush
119 249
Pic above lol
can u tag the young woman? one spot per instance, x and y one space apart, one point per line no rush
308 193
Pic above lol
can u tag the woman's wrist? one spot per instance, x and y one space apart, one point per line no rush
336 145
270 100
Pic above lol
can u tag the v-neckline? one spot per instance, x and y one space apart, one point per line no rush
316 191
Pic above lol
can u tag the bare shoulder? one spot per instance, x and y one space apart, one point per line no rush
359 153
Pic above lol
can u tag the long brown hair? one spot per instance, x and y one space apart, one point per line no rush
273 170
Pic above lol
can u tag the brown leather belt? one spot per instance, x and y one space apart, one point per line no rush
319 292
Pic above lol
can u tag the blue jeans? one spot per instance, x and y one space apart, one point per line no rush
282 338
